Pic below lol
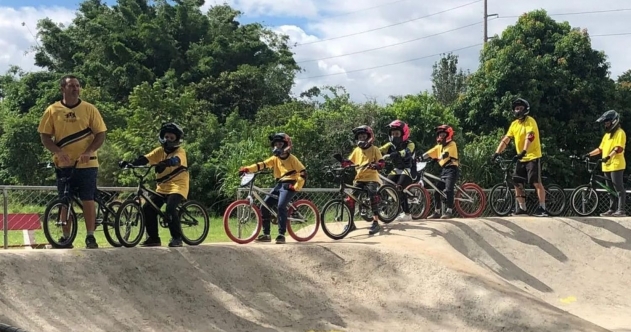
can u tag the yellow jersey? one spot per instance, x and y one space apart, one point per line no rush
289 169
608 143
174 179
73 129
363 157
519 130
447 154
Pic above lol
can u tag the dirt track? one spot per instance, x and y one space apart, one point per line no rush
493 274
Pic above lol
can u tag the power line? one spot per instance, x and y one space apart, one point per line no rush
391 64
392 45
369 8
388 26
578 13
433 55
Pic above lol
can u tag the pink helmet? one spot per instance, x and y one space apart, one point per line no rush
401 126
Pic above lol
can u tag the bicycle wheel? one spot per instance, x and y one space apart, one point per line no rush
193 213
9 328
420 203
502 200
53 215
246 215
555 199
584 200
470 209
389 204
303 220
340 217
128 216
108 224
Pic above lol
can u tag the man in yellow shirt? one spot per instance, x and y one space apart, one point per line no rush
613 163
172 183
525 132
73 129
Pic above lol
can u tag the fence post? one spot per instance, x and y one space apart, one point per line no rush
5 222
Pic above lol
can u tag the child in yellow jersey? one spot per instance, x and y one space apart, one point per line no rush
613 163
173 183
291 176
446 152
369 159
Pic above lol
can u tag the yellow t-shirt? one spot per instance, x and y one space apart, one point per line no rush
363 157
174 179
290 169
608 143
438 152
519 131
73 129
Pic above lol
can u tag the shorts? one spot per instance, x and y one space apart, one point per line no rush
528 171
82 183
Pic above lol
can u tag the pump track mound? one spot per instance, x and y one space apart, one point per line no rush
487 274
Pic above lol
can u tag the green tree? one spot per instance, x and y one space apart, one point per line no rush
448 82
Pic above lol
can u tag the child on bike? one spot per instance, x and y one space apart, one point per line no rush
172 183
291 177
400 150
446 152
612 148
369 160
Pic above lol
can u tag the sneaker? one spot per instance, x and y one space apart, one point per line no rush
264 238
63 239
519 211
618 214
448 214
353 227
90 242
607 214
175 242
375 228
540 212
434 215
151 242
280 239
404 217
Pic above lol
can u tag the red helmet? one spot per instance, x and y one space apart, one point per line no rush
444 129
401 126
363 129
280 137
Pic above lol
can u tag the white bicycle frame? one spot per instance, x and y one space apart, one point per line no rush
420 167
253 196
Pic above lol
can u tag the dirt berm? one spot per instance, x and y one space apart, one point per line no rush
461 275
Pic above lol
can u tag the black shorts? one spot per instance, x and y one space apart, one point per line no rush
82 183
528 171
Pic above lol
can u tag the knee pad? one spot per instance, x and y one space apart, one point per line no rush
375 199
350 202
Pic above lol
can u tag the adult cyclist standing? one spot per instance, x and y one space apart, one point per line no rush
525 132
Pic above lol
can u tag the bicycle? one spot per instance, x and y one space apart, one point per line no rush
184 210
418 198
504 203
295 216
595 180
388 193
106 209
460 196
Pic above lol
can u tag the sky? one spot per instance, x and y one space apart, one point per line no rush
374 48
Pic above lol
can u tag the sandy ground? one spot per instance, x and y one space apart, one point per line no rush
492 274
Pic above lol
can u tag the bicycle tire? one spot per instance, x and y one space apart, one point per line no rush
202 237
561 209
117 224
316 226
425 197
482 205
259 221
348 228
508 196
73 233
386 219
9 328
592 193
107 228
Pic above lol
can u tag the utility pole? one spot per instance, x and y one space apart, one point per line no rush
486 20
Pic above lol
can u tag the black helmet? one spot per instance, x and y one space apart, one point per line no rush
522 113
173 128
610 116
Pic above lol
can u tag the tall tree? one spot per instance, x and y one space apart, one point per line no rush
448 82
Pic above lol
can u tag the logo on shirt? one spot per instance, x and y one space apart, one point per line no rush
70 117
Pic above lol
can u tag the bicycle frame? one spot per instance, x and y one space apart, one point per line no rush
385 179
254 191
427 177
593 177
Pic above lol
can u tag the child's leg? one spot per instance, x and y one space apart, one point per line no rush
173 201
372 189
404 181
267 215
151 220
284 197
450 183
438 199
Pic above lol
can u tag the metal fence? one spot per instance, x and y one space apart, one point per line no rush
24 206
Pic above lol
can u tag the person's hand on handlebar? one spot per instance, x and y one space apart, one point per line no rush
346 163
124 164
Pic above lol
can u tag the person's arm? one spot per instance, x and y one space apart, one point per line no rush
49 144
619 143
267 163
302 177
431 153
99 129
505 141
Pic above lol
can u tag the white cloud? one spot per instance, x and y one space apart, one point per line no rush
339 61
